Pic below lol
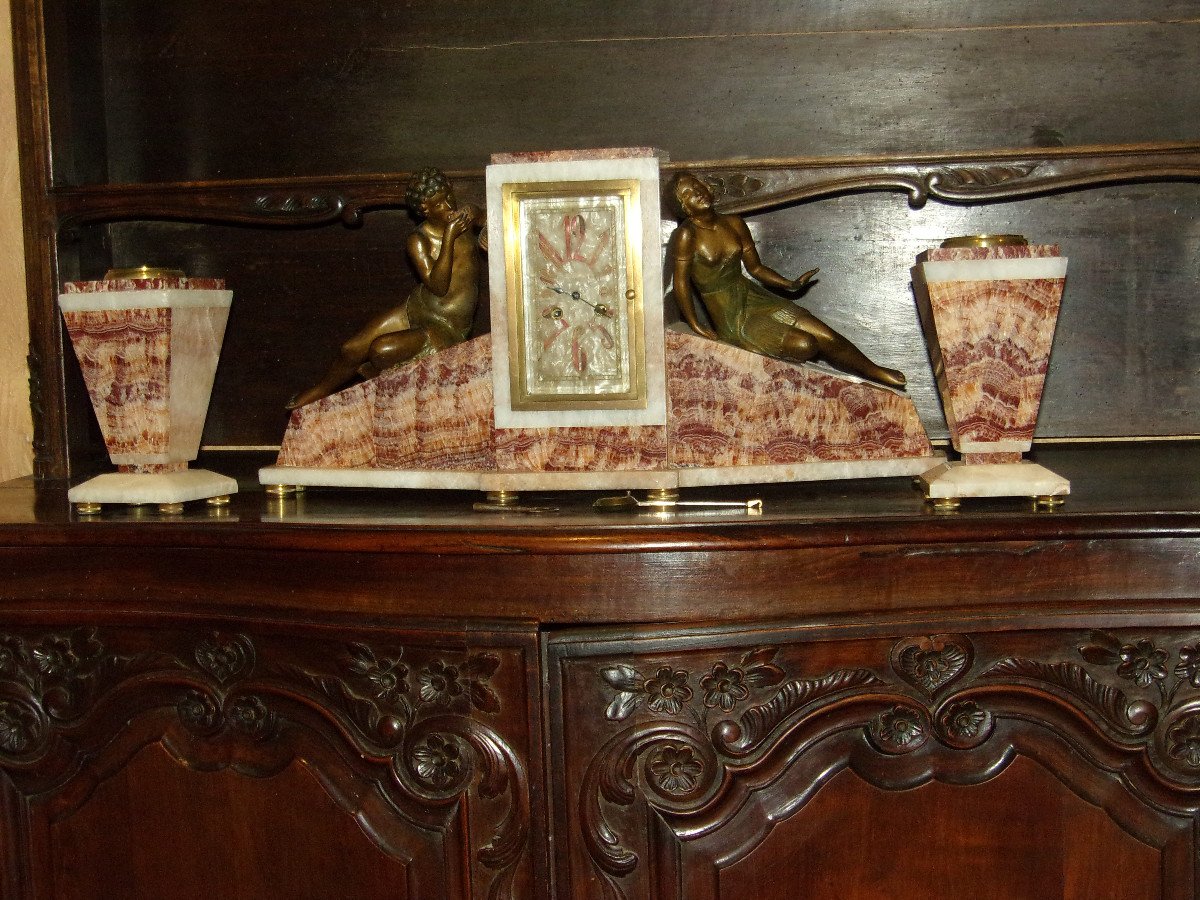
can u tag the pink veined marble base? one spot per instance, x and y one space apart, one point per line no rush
727 410
989 316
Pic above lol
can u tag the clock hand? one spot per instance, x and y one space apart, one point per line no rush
599 308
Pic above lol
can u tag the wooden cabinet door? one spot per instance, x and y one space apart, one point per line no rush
233 762
874 762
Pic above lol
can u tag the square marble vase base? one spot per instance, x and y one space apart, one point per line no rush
162 488
950 482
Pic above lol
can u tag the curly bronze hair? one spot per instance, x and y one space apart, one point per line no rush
423 185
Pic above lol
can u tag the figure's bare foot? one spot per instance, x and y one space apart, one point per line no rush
892 378
306 397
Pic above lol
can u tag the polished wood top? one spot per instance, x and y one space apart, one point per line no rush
1128 489
1131 529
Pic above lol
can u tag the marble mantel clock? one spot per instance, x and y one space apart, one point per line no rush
577 331
579 386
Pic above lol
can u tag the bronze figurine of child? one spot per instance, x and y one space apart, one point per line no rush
438 312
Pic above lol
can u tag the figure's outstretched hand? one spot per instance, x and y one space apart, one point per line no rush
797 283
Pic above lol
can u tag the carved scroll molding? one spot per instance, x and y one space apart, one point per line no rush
408 729
1119 711
304 202
957 180
700 724
742 188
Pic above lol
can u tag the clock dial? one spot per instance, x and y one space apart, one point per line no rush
577 324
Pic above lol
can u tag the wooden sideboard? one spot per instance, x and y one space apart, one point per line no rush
373 694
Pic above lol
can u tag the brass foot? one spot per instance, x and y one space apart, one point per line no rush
503 498
283 490
170 509
278 507
1049 501
87 509
222 500
944 504
659 494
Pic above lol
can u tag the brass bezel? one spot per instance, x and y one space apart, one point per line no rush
980 241
142 272
512 195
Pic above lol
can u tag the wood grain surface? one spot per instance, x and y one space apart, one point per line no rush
453 84
16 426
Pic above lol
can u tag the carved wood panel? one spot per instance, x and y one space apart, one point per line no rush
681 755
422 739
278 836
846 842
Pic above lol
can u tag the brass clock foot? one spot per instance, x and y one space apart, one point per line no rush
662 494
503 498
1049 501
170 509
87 509
283 490
221 500
944 504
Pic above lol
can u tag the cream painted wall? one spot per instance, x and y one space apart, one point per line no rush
16 429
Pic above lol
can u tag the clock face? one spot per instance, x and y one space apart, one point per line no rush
575 314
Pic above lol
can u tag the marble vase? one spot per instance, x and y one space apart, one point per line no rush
148 349
989 314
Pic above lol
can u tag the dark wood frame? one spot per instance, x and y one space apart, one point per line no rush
264 637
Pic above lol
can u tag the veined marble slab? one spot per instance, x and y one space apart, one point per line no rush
579 481
532 156
834 470
733 418
729 407
370 478
148 298
995 269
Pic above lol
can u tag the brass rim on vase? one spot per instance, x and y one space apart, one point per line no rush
986 240
142 272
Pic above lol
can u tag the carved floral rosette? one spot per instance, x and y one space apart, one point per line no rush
696 739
